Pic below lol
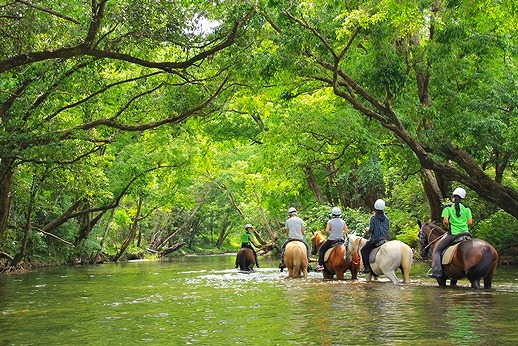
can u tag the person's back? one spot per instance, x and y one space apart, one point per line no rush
295 226
379 227
458 223
336 228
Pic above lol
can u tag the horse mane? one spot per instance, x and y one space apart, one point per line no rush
433 226
355 240
318 235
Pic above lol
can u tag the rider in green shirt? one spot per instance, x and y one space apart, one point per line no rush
457 218
247 239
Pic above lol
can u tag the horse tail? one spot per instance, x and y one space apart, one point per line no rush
485 267
242 260
407 257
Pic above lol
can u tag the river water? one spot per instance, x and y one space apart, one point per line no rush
205 301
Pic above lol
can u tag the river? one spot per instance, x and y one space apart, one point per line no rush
203 300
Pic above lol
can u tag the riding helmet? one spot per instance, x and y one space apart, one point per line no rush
379 204
292 211
459 192
336 211
248 226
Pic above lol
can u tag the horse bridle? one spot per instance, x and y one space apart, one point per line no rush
347 240
429 236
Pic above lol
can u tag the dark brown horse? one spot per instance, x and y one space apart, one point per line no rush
474 259
245 259
340 259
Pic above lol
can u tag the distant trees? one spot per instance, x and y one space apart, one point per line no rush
78 80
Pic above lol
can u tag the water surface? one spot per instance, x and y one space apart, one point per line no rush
205 301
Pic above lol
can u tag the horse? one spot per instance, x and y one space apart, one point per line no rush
391 255
339 260
245 259
296 259
473 259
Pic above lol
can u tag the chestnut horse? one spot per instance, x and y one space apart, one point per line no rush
296 259
474 258
392 255
340 258
245 259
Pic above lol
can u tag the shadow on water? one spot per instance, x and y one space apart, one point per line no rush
204 300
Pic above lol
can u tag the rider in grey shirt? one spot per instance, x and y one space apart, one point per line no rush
295 228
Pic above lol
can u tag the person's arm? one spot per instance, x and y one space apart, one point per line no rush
446 222
470 219
328 228
346 229
254 243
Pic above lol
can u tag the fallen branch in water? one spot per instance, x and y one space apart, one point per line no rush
54 236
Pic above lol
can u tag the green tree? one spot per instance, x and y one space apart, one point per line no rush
432 74
75 78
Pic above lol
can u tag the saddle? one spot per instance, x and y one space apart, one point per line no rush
451 250
328 252
372 255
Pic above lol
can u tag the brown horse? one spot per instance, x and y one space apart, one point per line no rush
296 259
340 258
474 258
245 259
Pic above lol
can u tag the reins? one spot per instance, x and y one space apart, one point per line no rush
435 240
352 251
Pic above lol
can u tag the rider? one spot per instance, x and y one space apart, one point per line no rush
295 228
336 228
457 218
379 228
247 239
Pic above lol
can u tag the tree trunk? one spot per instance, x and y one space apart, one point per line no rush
223 231
131 234
105 235
27 228
6 180
433 194
313 184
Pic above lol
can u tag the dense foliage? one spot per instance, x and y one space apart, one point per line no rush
133 128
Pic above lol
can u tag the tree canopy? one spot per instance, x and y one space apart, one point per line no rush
130 127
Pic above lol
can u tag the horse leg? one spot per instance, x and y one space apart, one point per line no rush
441 281
453 282
475 284
488 279
391 274
327 274
354 272
340 275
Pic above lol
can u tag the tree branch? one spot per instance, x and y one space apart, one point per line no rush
48 10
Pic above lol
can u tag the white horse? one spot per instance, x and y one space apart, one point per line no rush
392 255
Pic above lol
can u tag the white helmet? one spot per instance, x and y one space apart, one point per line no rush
459 192
336 211
248 226
379 204
292 211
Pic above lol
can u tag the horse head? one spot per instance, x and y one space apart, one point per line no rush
316 241
429 233
355 243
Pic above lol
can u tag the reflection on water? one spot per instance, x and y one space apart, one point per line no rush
204 300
